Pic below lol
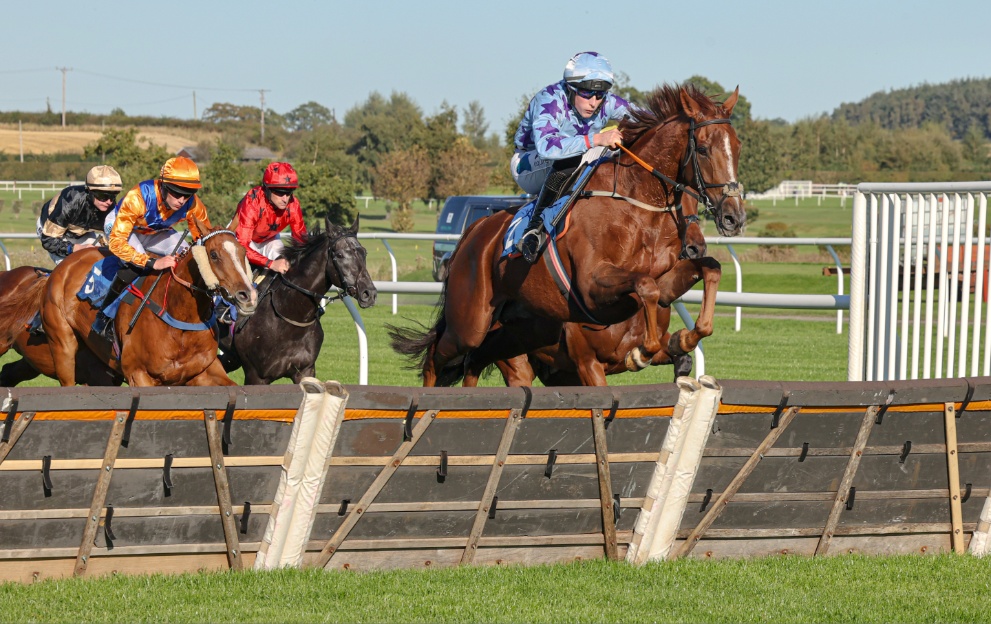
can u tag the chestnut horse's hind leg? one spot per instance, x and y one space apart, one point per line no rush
17 372
515 371
512 341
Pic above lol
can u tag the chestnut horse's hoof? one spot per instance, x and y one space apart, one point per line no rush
635 360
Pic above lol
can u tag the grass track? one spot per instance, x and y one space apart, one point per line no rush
941 588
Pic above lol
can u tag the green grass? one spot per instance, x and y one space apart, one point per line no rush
781 589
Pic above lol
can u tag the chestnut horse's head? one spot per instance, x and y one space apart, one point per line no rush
712 159
689 141
223 267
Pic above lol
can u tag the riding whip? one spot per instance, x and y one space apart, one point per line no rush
147 296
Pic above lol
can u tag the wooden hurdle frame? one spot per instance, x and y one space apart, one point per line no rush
94 480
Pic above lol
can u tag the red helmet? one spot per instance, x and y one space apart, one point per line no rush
280 175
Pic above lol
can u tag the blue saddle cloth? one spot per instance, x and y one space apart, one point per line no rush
517 227
98 282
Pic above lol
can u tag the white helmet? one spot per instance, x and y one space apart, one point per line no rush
589 70
103 178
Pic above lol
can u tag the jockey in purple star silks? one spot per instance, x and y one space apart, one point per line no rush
563 127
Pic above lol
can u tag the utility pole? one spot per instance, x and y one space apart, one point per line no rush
20 138
194 105
63 70
261 92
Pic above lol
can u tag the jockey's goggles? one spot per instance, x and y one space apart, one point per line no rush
281 192
104 195
178 191
589 94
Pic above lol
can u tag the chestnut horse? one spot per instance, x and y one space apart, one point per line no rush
584 355
627 248
154 352
284 335
22 290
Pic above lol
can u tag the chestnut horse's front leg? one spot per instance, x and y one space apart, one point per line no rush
675 283
610 283
214 375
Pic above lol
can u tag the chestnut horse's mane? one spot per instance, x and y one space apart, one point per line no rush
661 104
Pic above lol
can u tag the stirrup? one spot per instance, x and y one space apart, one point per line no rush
104 327
529 245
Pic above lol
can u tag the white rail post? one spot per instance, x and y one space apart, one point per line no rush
839 287
395 276
739 282
858 268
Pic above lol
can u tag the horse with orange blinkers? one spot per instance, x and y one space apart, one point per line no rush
627 250
173 342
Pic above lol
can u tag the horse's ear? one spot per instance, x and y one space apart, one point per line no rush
354 226
731 101
235 223
201 227
690 106
327 224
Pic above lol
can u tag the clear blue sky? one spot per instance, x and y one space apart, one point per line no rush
791 59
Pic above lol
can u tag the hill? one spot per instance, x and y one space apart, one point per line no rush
958 106
39 139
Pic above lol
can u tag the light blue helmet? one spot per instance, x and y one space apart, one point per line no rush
589 70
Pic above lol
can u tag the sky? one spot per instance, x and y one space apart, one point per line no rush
792 60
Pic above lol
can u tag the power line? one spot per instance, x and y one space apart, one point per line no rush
159 84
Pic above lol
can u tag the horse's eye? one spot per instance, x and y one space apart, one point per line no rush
703 150
214 256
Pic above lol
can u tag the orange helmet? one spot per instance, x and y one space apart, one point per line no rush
182 172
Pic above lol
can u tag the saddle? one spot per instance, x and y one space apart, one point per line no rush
555 213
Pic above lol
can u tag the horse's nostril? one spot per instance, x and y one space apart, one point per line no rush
242 295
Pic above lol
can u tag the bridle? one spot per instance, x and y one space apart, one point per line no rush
216 290
730 189
345 289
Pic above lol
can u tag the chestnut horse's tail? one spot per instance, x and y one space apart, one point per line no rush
417 345
17 306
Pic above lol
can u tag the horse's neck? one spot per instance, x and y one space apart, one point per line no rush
181 298
662 149
309 274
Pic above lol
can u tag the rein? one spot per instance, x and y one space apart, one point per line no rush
733 189
315 298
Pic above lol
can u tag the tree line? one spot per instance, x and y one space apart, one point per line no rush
388 146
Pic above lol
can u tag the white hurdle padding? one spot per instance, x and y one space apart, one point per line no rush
660 480
980 543
315 429
683 477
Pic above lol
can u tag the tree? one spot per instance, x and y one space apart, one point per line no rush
461 170
224 179
623 89
975 148
474 125
322 192
402 176
716 91
383 126
120 149
760 162
308 117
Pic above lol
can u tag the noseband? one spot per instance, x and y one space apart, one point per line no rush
216 290
349 290
730 189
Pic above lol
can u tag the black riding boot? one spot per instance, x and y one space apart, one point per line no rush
529 245
557 180
103 325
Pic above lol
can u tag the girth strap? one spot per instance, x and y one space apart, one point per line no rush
629 200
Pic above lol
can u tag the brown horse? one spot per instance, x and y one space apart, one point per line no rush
22 291
627 248
153 353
